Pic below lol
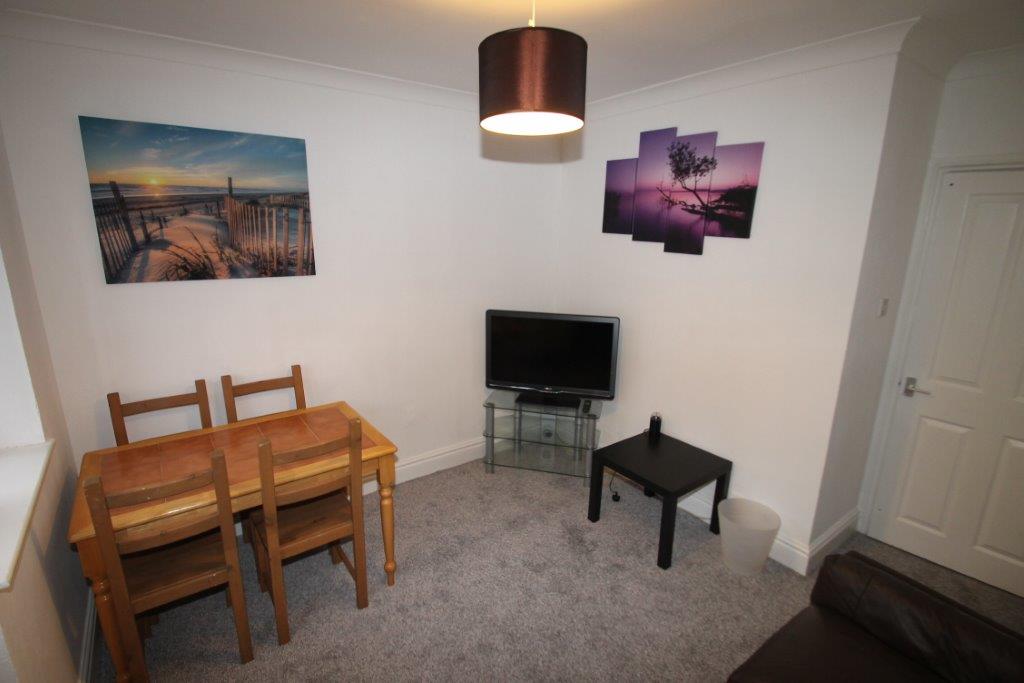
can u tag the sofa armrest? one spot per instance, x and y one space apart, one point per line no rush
945 636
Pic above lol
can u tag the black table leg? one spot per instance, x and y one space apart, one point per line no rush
721 491
596 483
668 531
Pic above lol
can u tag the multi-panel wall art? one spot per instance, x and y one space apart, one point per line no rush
180 203
681 189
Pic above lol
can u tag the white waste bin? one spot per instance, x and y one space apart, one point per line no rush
748 531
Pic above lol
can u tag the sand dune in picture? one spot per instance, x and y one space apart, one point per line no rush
200 240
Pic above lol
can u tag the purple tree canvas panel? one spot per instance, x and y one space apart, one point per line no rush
180 203
650 211
690 160
734 182
619 184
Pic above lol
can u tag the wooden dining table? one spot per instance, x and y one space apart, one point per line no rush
172 457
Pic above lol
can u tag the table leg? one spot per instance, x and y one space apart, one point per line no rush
668 531
721 491
95 572
386 487
596 484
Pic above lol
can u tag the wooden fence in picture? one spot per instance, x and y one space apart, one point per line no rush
124 231
263 233
117 235
117 239
294 201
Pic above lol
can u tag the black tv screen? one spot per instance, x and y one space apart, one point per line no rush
552 353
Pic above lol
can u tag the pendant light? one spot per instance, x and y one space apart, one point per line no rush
533 80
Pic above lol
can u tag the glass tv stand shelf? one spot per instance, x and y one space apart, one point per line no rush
533 436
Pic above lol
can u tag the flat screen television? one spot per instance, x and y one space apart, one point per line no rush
552 355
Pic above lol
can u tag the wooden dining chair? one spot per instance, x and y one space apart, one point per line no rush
233 391
294 521
119 411
157 562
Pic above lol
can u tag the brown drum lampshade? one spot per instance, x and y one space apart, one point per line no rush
533 81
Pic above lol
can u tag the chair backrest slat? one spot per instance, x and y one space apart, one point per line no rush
158 533
232 390
184 524
119 411
169 529
270 461
165 531
144 494
263 385
307 452
150 405
298 491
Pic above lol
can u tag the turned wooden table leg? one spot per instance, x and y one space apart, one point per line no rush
92 567
386 487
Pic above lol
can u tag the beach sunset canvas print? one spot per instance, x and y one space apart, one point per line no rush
180 203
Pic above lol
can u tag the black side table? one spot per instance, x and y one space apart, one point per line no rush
668 467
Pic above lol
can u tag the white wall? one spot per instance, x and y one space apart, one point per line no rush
982 107
763 350
908 139
420 224
978 124
42 613
417 232
19 419
741 349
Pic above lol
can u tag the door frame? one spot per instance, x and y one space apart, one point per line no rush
938 169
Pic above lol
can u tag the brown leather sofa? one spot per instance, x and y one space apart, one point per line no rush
867 622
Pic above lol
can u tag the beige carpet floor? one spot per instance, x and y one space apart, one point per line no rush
502 577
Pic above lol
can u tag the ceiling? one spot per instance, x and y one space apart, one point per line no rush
633 43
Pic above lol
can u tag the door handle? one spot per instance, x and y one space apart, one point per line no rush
910 387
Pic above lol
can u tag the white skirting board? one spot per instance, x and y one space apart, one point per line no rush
406 468
415 466
800 557
833 537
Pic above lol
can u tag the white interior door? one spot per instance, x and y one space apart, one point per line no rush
952 480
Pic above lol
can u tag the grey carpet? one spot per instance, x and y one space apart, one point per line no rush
502 576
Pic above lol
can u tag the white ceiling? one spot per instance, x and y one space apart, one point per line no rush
633 43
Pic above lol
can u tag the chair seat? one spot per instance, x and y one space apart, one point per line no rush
309 524
156 577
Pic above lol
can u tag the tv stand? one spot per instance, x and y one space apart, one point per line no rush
538 431
541 398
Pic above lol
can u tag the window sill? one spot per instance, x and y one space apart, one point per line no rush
21 475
